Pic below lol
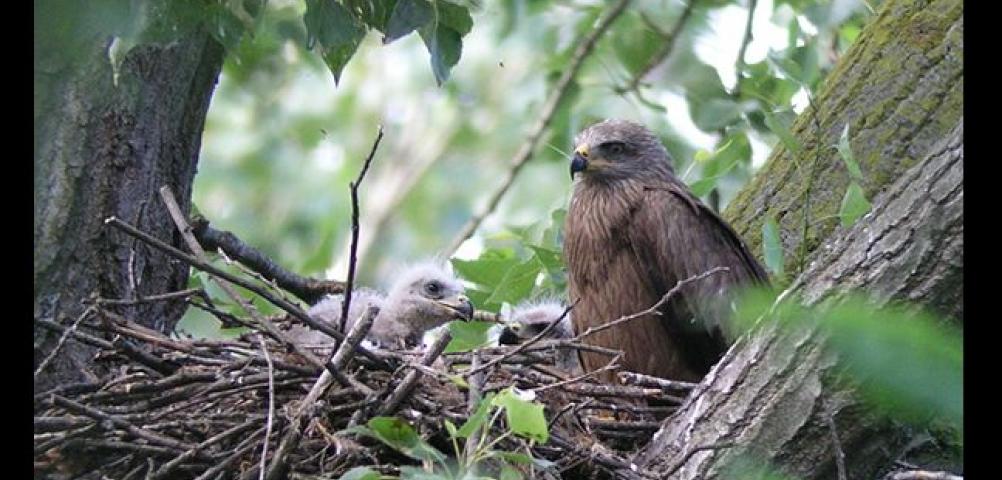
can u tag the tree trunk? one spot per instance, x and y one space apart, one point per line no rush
103 150
775 393
899 89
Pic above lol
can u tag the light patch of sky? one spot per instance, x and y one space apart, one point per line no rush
327 157
719 48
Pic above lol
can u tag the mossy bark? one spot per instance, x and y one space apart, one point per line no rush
103 150
899 89
775 396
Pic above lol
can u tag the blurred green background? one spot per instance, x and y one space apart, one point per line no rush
283 139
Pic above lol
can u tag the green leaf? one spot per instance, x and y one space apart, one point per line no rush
417 473
488 270
467 336
703 186
360 473
772 246
508 473
854 205
715 113
525 418
400 436
906 361
551 259
450 427
445 46
337 32
456 17
777 125
845 151
518 282
407 16
478 418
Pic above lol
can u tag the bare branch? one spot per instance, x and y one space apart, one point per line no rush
546 114
352 258
310 290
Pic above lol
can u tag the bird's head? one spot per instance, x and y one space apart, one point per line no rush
615 149
528 320
425 296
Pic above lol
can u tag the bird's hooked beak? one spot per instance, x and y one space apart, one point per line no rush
460 305
580 161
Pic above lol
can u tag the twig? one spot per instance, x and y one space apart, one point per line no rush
223 465
546 114
170 466
207 267
639 379
138 432
666 49
653 309
410 380
311 290
922 475
62 339
522 346
614 363
153 298
352 257
271 404
304 414
739 64
182 225
839 454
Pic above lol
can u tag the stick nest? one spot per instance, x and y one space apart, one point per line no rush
192 408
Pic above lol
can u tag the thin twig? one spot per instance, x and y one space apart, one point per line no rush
653 309
310 290
546 114
922 475
62 339
667 46
614 363
352 257
271 404
304 414
207 267
739 64
182 225
410 380
639 379
522 346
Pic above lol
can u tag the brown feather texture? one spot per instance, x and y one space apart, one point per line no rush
633 230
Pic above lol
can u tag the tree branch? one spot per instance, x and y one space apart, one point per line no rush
525 151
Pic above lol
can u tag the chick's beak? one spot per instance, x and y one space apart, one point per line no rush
460 305
580 161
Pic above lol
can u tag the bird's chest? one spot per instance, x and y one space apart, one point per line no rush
597 234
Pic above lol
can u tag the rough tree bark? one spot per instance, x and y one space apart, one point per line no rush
773 394
103 150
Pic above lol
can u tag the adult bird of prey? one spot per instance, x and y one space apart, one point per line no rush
633 230
422 297
529 319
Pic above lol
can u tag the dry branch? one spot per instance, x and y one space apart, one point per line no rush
546 114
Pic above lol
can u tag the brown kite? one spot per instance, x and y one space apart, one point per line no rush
634 230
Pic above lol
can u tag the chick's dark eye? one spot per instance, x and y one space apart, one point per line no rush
433 288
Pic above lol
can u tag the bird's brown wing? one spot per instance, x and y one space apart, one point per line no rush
675 237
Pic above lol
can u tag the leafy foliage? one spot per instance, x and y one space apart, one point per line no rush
906 362
524 418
